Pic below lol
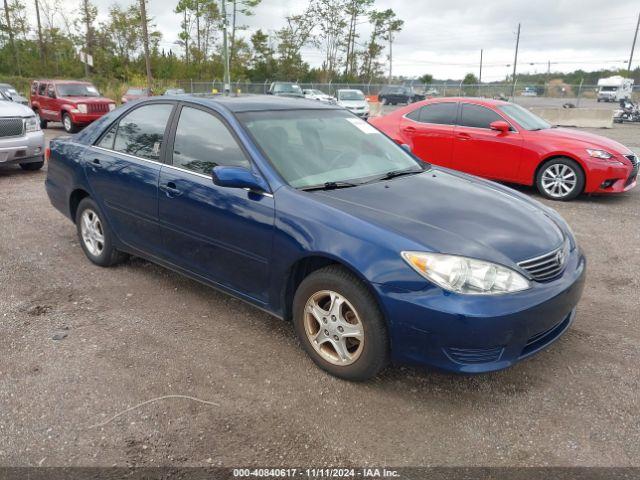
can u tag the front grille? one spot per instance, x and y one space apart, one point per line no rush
470 356
11 127
545 267
634 173
97 107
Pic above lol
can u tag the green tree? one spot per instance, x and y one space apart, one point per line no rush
427 78
354 9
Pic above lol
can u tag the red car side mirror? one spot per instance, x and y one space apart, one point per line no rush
500 126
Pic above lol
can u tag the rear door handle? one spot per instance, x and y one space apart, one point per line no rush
410 129
170 189
463 136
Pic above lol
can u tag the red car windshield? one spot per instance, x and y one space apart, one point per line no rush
77 90
524 117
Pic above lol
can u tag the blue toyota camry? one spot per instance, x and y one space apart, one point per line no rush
311 214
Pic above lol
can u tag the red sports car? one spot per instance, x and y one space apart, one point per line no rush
503 141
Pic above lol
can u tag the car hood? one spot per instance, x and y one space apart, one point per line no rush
589 139
352 103
448 212
14 109
89 99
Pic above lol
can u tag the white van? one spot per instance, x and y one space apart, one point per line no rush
614 89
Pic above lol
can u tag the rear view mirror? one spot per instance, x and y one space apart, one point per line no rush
238 177
500 126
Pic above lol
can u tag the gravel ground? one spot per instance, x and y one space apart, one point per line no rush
82 343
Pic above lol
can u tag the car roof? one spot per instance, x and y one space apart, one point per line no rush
349 90
255 103
476 100
44 80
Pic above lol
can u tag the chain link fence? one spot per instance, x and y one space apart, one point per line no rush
553 93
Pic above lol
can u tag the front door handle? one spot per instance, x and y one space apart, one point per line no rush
410 129
95 164
170 189
463 136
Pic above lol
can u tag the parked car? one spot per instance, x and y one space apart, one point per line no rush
135 93
21 139
285 89
75 104
395 94
174 91
529 92
10 91
315 94
503 141
354 101
313 215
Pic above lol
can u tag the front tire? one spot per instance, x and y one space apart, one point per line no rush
68 124
560 179
340 325
43 123
96 238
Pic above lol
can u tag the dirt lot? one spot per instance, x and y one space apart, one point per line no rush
82 343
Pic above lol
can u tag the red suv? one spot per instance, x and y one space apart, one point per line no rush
503 141
73 103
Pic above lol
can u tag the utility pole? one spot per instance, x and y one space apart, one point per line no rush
633 45
225 49
390 55
40 41
16 55
87 39
145 41
480 74
515 63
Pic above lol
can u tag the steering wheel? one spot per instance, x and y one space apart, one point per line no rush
340 160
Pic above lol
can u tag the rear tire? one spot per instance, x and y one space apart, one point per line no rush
560 179
346 335
96 238
68 124
32 166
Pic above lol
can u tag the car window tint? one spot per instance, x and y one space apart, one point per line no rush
203 142
141 131
478 116
415 115
439 113
42 88
107 140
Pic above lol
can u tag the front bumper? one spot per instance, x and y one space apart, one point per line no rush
476 333
28 148
610 178
86 118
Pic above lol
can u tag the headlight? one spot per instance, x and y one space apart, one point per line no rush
466 275
31 124
599 154
82 108
112 107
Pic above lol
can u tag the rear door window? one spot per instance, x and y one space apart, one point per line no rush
42 88
478 116
436 113
141 132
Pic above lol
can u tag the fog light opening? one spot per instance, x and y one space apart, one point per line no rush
608 183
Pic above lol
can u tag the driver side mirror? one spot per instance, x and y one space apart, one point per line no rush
500 126
406 148
238 177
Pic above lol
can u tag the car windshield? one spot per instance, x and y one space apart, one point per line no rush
393 90
608 89
311 148
10 90
351 95
287 88
524 117
77 90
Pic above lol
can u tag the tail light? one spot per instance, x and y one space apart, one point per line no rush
47 154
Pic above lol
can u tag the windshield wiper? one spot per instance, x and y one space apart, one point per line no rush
398 173
330 186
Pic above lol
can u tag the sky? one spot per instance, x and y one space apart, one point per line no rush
444 37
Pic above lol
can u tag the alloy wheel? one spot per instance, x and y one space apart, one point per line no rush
559 180
333 328
92 232
67 123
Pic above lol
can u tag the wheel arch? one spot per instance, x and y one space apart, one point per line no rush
75 198
556 156
305 266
